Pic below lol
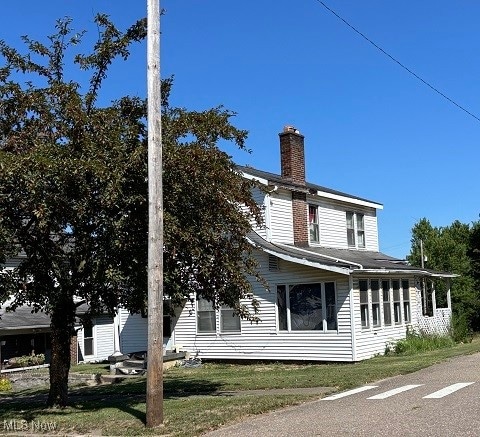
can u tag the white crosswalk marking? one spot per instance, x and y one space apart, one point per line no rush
349 392
395 391
448 390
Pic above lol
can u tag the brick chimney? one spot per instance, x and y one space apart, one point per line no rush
293 171
292 155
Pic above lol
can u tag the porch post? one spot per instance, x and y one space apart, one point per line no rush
352 318
116 333
434 299
449 295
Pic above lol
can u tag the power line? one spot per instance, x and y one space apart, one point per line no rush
397 61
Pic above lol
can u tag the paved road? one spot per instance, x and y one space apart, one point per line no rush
442 400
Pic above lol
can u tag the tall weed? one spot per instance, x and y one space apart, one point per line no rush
417 342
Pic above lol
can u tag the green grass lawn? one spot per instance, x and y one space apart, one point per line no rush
191 405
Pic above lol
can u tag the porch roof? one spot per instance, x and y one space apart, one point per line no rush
343 261
23 318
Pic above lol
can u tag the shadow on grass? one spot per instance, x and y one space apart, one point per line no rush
124 396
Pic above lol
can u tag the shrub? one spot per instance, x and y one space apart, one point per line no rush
418 342
460 330
5 385
27 360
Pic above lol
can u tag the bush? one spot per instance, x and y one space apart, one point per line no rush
417 342
27 360
460 330
5 385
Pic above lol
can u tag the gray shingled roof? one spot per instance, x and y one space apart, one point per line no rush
23 318
275 179
345 261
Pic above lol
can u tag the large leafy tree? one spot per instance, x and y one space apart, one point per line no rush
449 249
73 193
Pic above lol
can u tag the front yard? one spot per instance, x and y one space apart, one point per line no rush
193 398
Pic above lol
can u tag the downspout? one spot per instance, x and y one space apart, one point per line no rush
352 318
268 229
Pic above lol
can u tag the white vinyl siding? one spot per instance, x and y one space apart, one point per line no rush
261 198
264 340
102 341
371 232
281 217
133 332
332 229
104 337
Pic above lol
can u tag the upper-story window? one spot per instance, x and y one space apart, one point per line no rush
355 230
313 224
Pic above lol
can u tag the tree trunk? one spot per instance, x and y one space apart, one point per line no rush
63 317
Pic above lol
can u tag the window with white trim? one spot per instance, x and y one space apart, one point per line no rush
406 300
364 313
375 287
393 295
206 316
313 224
307 307
397 314
387 309
282 307
228 321
88 340
355 230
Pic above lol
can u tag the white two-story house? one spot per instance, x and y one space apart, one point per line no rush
332 295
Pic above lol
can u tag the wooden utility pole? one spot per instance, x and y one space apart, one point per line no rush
155 222
424 284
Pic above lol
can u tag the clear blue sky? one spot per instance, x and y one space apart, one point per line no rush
371 129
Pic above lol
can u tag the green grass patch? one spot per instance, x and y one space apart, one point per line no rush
191 401
94 368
